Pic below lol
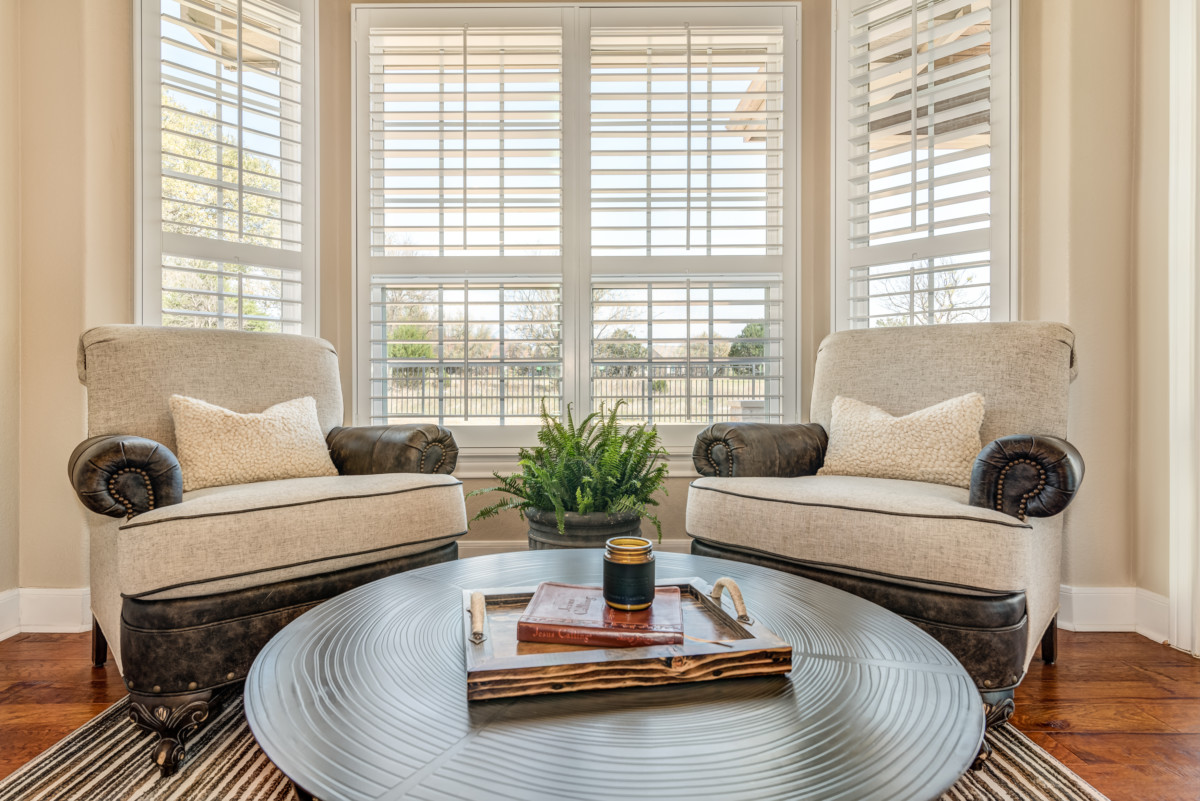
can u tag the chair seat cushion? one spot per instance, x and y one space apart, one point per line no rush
245 535
889 527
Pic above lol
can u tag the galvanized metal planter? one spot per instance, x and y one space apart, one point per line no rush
582 531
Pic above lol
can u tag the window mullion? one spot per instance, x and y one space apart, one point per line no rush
576 194
466 124
241 79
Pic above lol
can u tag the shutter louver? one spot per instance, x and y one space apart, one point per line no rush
687 141
465 141
919 160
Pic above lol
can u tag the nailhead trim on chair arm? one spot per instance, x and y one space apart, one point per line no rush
410 448
760 449
1026 476
123 476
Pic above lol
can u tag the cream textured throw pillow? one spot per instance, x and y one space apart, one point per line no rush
937 445
217 447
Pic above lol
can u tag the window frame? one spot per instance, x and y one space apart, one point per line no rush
576 268
148 233
1003 231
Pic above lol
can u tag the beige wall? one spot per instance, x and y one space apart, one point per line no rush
1079 245
10 294
1078 113
76 194
1151 436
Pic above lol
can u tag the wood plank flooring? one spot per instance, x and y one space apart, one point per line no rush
1121 711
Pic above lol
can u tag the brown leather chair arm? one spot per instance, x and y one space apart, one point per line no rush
760 449
123 476
410 448
1026 475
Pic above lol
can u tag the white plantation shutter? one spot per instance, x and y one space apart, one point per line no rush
923 162
460 352
459 213
691 350
576 204
465 140
227 164
687 140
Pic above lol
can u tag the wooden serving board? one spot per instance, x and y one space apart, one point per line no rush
716 645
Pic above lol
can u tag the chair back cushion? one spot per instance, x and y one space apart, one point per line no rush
132 371
1023 371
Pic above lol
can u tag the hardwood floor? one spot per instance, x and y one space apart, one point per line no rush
48 688
1121 711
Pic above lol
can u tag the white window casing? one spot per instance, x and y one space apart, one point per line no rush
228 173
560 151
923 162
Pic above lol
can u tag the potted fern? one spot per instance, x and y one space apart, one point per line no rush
584 483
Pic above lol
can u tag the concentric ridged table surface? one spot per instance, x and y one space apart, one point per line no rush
364 697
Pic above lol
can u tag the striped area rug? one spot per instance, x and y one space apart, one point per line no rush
106 760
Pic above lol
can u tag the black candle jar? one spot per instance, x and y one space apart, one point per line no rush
628 573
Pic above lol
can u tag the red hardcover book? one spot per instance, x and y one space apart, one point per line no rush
574 615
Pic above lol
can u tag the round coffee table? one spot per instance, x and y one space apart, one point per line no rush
364 697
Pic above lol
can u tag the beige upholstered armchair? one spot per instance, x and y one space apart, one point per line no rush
977 568
187 587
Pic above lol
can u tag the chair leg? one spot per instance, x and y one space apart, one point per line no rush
99 645
1050 642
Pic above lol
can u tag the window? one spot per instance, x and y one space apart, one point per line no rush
574 204
227 169
922 162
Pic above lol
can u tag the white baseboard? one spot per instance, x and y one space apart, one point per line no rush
44 609
1153 615
1113 609
56 610
10 613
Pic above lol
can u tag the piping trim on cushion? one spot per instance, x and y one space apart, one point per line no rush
861 509
224 622
851 570
287 566
232 512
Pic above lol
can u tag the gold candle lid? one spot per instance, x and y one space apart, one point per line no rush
628 549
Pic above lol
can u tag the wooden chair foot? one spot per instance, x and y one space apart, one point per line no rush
1050 642
99 645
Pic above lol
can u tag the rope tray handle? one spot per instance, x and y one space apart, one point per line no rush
477 617
735 593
